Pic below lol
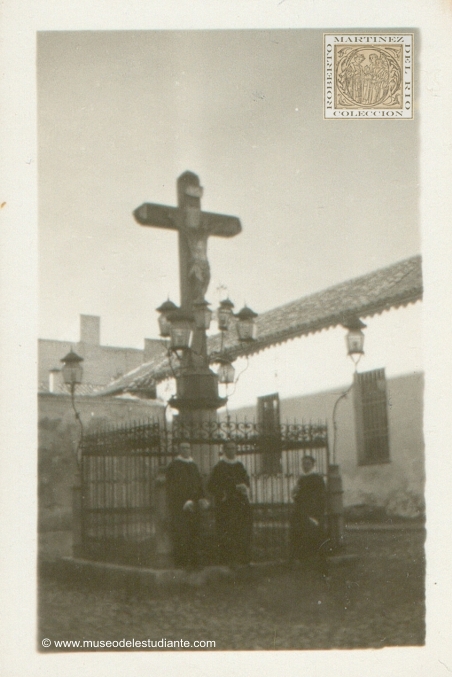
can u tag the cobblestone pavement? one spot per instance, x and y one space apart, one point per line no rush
377 601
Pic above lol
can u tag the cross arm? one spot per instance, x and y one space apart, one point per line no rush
159 216
162 216
221 225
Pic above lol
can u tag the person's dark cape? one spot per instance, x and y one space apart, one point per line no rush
232 511
184 483
310 496
306 537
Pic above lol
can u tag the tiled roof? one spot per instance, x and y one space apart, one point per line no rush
61 389
397 285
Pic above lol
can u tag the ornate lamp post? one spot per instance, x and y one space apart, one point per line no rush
72 377
355 338
185 331
224 314
181 330
246 325
72 370
226 371
355 350
164 324
202 314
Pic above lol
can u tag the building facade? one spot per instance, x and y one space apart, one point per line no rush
378 441
376 437
102 364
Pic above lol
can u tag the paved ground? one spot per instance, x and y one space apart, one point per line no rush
376 602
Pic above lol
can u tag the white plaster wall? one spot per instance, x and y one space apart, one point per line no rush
398 485
316 363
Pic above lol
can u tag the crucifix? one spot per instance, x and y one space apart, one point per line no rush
197 385
194 228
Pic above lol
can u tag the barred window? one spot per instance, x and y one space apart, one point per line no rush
371 417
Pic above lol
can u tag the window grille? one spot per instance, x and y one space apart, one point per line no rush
371 417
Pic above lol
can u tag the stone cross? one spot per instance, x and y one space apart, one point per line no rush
194 228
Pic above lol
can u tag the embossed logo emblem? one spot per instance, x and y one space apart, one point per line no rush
368 76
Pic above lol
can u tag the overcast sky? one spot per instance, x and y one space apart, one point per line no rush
122 114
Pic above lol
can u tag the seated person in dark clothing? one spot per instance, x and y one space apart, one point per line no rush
307 530
185 495
229 485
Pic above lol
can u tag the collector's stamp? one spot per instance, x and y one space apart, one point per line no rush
368 76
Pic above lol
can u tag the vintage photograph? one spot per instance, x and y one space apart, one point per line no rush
231 380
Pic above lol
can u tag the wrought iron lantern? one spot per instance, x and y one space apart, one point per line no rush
226 371
354 338
246 325
224 314
72 370
202 314
181 329
72 376
164 323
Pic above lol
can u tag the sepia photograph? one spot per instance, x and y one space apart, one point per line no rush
230 396
225 272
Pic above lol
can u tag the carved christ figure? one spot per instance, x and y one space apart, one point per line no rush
198 264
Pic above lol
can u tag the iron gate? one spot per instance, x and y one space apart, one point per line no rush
122 480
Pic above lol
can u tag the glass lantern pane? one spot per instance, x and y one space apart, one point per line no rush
165 326
355 342
224 317
246 330
226 373
180 337
72 374
203 318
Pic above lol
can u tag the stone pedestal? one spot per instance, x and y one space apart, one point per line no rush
198 420
197 401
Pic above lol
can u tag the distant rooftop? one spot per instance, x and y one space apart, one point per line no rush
397 285
102 364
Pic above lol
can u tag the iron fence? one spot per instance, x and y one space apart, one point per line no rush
123 485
